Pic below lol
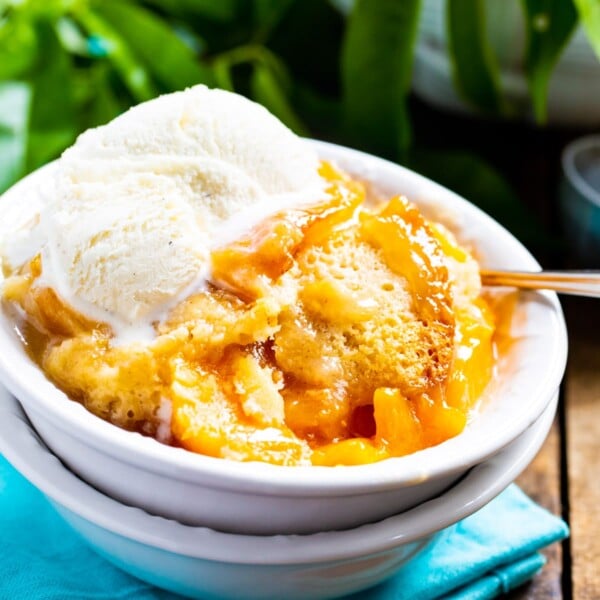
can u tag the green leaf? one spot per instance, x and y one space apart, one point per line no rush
97 94
223 75
18 48
266 10
268 91
150 38
377 60
52 124
104 105
267 14
15 99
474 68
589 13
104 108
474 179
549 25
132 71
218 10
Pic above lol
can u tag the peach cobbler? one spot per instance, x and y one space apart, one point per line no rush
328 334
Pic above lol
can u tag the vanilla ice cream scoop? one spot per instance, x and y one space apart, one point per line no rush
139 203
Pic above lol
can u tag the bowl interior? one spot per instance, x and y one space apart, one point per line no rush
528 374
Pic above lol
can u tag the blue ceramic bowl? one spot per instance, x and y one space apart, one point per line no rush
580 199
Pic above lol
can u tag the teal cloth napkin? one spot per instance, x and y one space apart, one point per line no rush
483 556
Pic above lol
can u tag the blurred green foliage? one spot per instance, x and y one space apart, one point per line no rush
337 69
550 24
474 69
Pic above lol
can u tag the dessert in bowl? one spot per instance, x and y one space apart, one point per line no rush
203 563
242 303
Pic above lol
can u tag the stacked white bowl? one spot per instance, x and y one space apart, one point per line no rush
208 527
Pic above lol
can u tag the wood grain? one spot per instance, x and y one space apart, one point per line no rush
583 445
541 481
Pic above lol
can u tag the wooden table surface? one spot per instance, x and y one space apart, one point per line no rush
564 478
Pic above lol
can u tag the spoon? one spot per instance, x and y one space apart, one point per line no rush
576 283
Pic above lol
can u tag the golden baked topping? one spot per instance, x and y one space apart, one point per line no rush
331 334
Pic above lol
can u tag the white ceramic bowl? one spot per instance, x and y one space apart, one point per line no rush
203 563
258 498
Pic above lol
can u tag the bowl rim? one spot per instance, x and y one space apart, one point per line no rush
27 382
572 174
24 449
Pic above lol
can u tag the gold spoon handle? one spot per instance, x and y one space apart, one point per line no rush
576 283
